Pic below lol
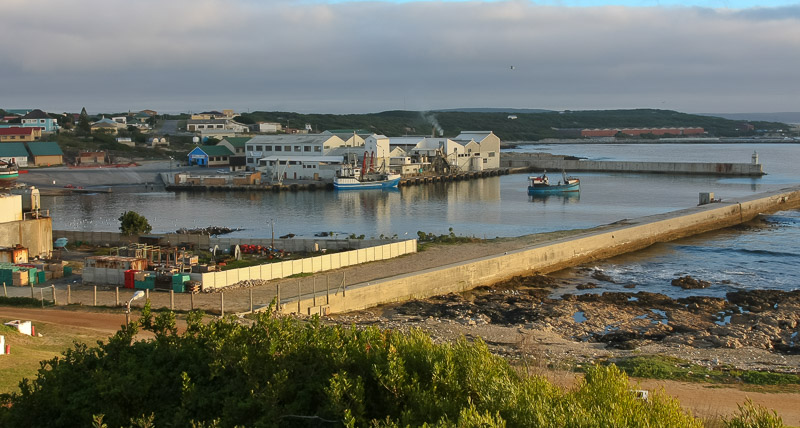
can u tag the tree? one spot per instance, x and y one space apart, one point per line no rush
84 126
131 223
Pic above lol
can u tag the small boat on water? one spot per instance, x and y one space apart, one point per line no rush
351 177
9 172
540 185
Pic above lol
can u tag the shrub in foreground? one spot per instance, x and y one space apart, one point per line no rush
283 372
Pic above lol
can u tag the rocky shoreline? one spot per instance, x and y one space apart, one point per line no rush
753 330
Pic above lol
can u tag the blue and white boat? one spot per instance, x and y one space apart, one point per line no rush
540 185
350 177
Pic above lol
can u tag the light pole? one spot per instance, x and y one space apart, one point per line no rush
137 295
272 226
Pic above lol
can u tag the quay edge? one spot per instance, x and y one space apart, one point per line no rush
619 238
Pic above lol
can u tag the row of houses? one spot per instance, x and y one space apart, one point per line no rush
319 156
36 153
31 119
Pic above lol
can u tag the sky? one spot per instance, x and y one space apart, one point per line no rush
316 56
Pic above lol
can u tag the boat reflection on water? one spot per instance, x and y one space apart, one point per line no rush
564 198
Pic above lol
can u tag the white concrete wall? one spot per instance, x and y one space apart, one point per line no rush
315 264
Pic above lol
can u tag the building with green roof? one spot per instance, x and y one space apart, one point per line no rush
235 144
46 153
14 152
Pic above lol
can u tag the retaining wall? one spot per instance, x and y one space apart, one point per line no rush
625 237
557 164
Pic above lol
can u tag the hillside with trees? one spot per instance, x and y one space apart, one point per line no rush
526 126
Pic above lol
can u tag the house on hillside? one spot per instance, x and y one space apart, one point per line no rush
14 153
17 134
39 119
45 153
267 127
107 125
210 156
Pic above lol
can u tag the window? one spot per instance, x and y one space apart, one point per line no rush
297 148
251 160
259 148
491 154
287 148
277 148
269 148
485 160
306 148
317 148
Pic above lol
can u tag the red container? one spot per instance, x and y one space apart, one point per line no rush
129 276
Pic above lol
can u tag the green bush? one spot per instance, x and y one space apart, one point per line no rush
283 372
752 415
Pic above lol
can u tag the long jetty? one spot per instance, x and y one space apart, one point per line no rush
298 185
618 238
521 162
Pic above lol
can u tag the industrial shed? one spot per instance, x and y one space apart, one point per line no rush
46 153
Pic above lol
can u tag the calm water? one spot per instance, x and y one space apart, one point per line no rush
500 206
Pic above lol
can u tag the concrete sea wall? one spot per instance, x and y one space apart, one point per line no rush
538 162
617 239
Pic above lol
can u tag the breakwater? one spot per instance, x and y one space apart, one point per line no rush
620 238
520 162
308 185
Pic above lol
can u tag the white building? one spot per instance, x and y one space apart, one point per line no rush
268 127
485 153
289 147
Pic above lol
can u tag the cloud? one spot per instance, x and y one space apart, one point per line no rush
370 56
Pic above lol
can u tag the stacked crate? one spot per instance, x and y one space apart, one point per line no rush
6 273
147 283
178 282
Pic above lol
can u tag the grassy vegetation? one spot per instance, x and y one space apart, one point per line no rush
224 373
27 351
663 367
424 239
23 302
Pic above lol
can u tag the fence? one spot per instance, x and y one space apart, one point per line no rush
319 290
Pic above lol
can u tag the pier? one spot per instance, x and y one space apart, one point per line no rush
303 185
527 162
615 239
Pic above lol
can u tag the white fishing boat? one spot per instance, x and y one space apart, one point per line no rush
352 177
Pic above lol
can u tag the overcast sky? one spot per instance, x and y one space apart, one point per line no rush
358 57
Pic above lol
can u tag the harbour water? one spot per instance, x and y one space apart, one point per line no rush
500 206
